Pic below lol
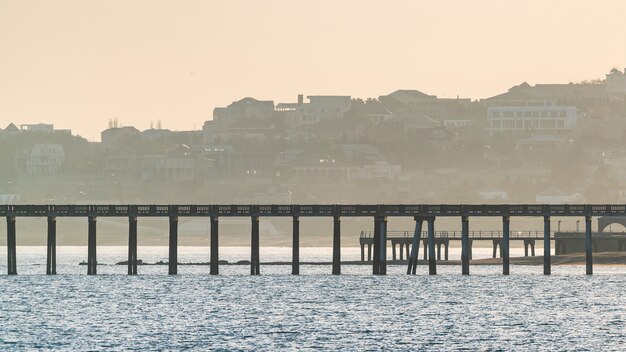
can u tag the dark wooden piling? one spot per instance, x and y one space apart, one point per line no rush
215 257
51 260
547 260
376 261
415 247
255 267
132 245
432 263
465 245
11 246
92 261
588 246
295 247
173 248
504 245
336 245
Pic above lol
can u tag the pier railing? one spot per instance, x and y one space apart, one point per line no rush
424 210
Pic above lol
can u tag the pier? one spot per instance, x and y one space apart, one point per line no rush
409 243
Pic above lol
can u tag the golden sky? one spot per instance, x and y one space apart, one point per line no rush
79 63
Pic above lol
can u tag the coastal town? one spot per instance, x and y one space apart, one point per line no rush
535 143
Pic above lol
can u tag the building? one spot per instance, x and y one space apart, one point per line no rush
244 109
45 159
616 81
534 117
301 118
113 135
493 194
553 195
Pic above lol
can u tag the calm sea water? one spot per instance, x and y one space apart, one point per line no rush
315 311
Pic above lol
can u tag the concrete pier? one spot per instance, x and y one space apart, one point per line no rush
415 247
588 246
295 247
432 263
132 245
336 245
51 260
92 262
504 245
215 257
173 249
376 262
547 259
11 247
383 245
255 267
465 245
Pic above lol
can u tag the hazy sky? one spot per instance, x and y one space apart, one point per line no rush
79 63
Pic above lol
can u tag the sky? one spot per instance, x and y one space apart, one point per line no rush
78 64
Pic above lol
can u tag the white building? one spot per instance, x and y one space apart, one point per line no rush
45 159
493 194
303 116
379 170
554 195
532 117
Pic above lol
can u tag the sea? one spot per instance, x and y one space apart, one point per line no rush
277 311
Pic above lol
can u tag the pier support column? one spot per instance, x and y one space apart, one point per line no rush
406 250
465 245
526 244
504 245
383 245
432 263
446 247
369 252
495 248
425 245
11 246
132 245
532 248
215 254
255 266
336 245
438 250
92 262
51 260
295 249
415 247
376 261
393 251
547 260
471 250
173 257
588 246
362 252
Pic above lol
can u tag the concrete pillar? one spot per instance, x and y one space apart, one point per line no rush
336 245
432 263
11 246
406 250
369 252
92 262
215 247
504 245
51 261
393 250
295 247
446 244
465 245
383 245
547 261
526 244
376 261
415 247
588 246
255 266
425 245
495 248
132 245
471 251
173 248
438 250
532 248
362 252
